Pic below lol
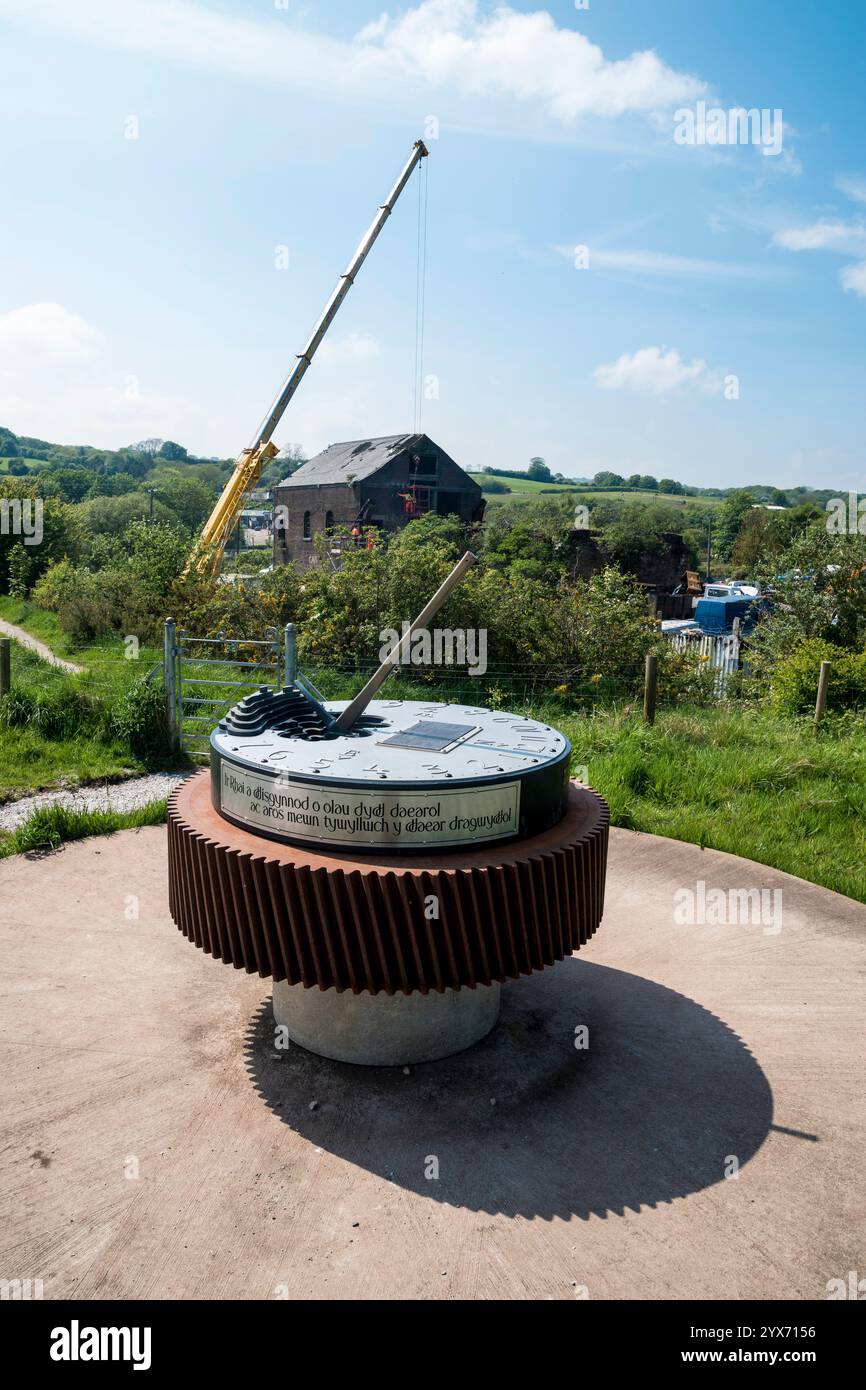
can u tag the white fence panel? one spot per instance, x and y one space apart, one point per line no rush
720 650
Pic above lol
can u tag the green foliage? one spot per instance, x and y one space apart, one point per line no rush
50 826
140 720
730 519
746 781
794 680
70 484
129 590
538 471
172 451
59 710
190 500
62 532
20 566
764 534
533 542
610 629
817 588
110 516
113 485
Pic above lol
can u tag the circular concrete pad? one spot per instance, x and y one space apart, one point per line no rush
385 1030
676 1112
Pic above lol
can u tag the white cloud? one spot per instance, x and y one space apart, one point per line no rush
853 279
441 47
660 264
527 56
853 186
355 347
58 383
656 370
845 237
46 331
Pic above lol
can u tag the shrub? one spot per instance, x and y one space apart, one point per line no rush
127 592
794 680
139 718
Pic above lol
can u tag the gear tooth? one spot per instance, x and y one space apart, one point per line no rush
333 922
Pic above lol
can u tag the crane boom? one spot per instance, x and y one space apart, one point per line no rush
208 552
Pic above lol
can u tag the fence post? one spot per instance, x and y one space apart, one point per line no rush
168 666
290 656
649 693
821 701
5 668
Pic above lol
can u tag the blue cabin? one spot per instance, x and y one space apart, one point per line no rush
714 615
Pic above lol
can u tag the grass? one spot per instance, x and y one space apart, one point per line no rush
735 779
730 777
522 485
522 489
104 658
52 826
30 762
32 759
35 465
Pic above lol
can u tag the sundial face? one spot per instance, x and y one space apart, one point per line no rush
418 774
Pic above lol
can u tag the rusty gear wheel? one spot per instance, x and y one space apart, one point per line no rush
349 922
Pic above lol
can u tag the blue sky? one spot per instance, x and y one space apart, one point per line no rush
714 336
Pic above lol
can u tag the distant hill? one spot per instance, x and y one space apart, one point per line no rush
21 455
501 481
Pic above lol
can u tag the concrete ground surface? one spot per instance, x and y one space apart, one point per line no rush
155 1145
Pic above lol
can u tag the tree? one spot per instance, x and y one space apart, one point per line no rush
189 498
20 570
538 471
147 447
61 525
729 520
112 485
757 539
606 479
72 484
110 516
175 453
817 587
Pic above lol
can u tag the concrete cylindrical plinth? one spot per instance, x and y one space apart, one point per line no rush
385 1030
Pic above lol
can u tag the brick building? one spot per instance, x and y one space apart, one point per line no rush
365 483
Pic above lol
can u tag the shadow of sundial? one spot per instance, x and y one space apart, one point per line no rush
651 1111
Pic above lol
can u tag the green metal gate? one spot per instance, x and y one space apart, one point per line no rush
205 676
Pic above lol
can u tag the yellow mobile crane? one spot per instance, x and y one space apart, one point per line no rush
207 554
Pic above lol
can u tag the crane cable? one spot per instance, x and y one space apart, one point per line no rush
420 294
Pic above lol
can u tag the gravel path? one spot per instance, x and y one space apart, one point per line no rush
117 796
26 640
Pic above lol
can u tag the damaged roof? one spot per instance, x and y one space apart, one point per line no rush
353 460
